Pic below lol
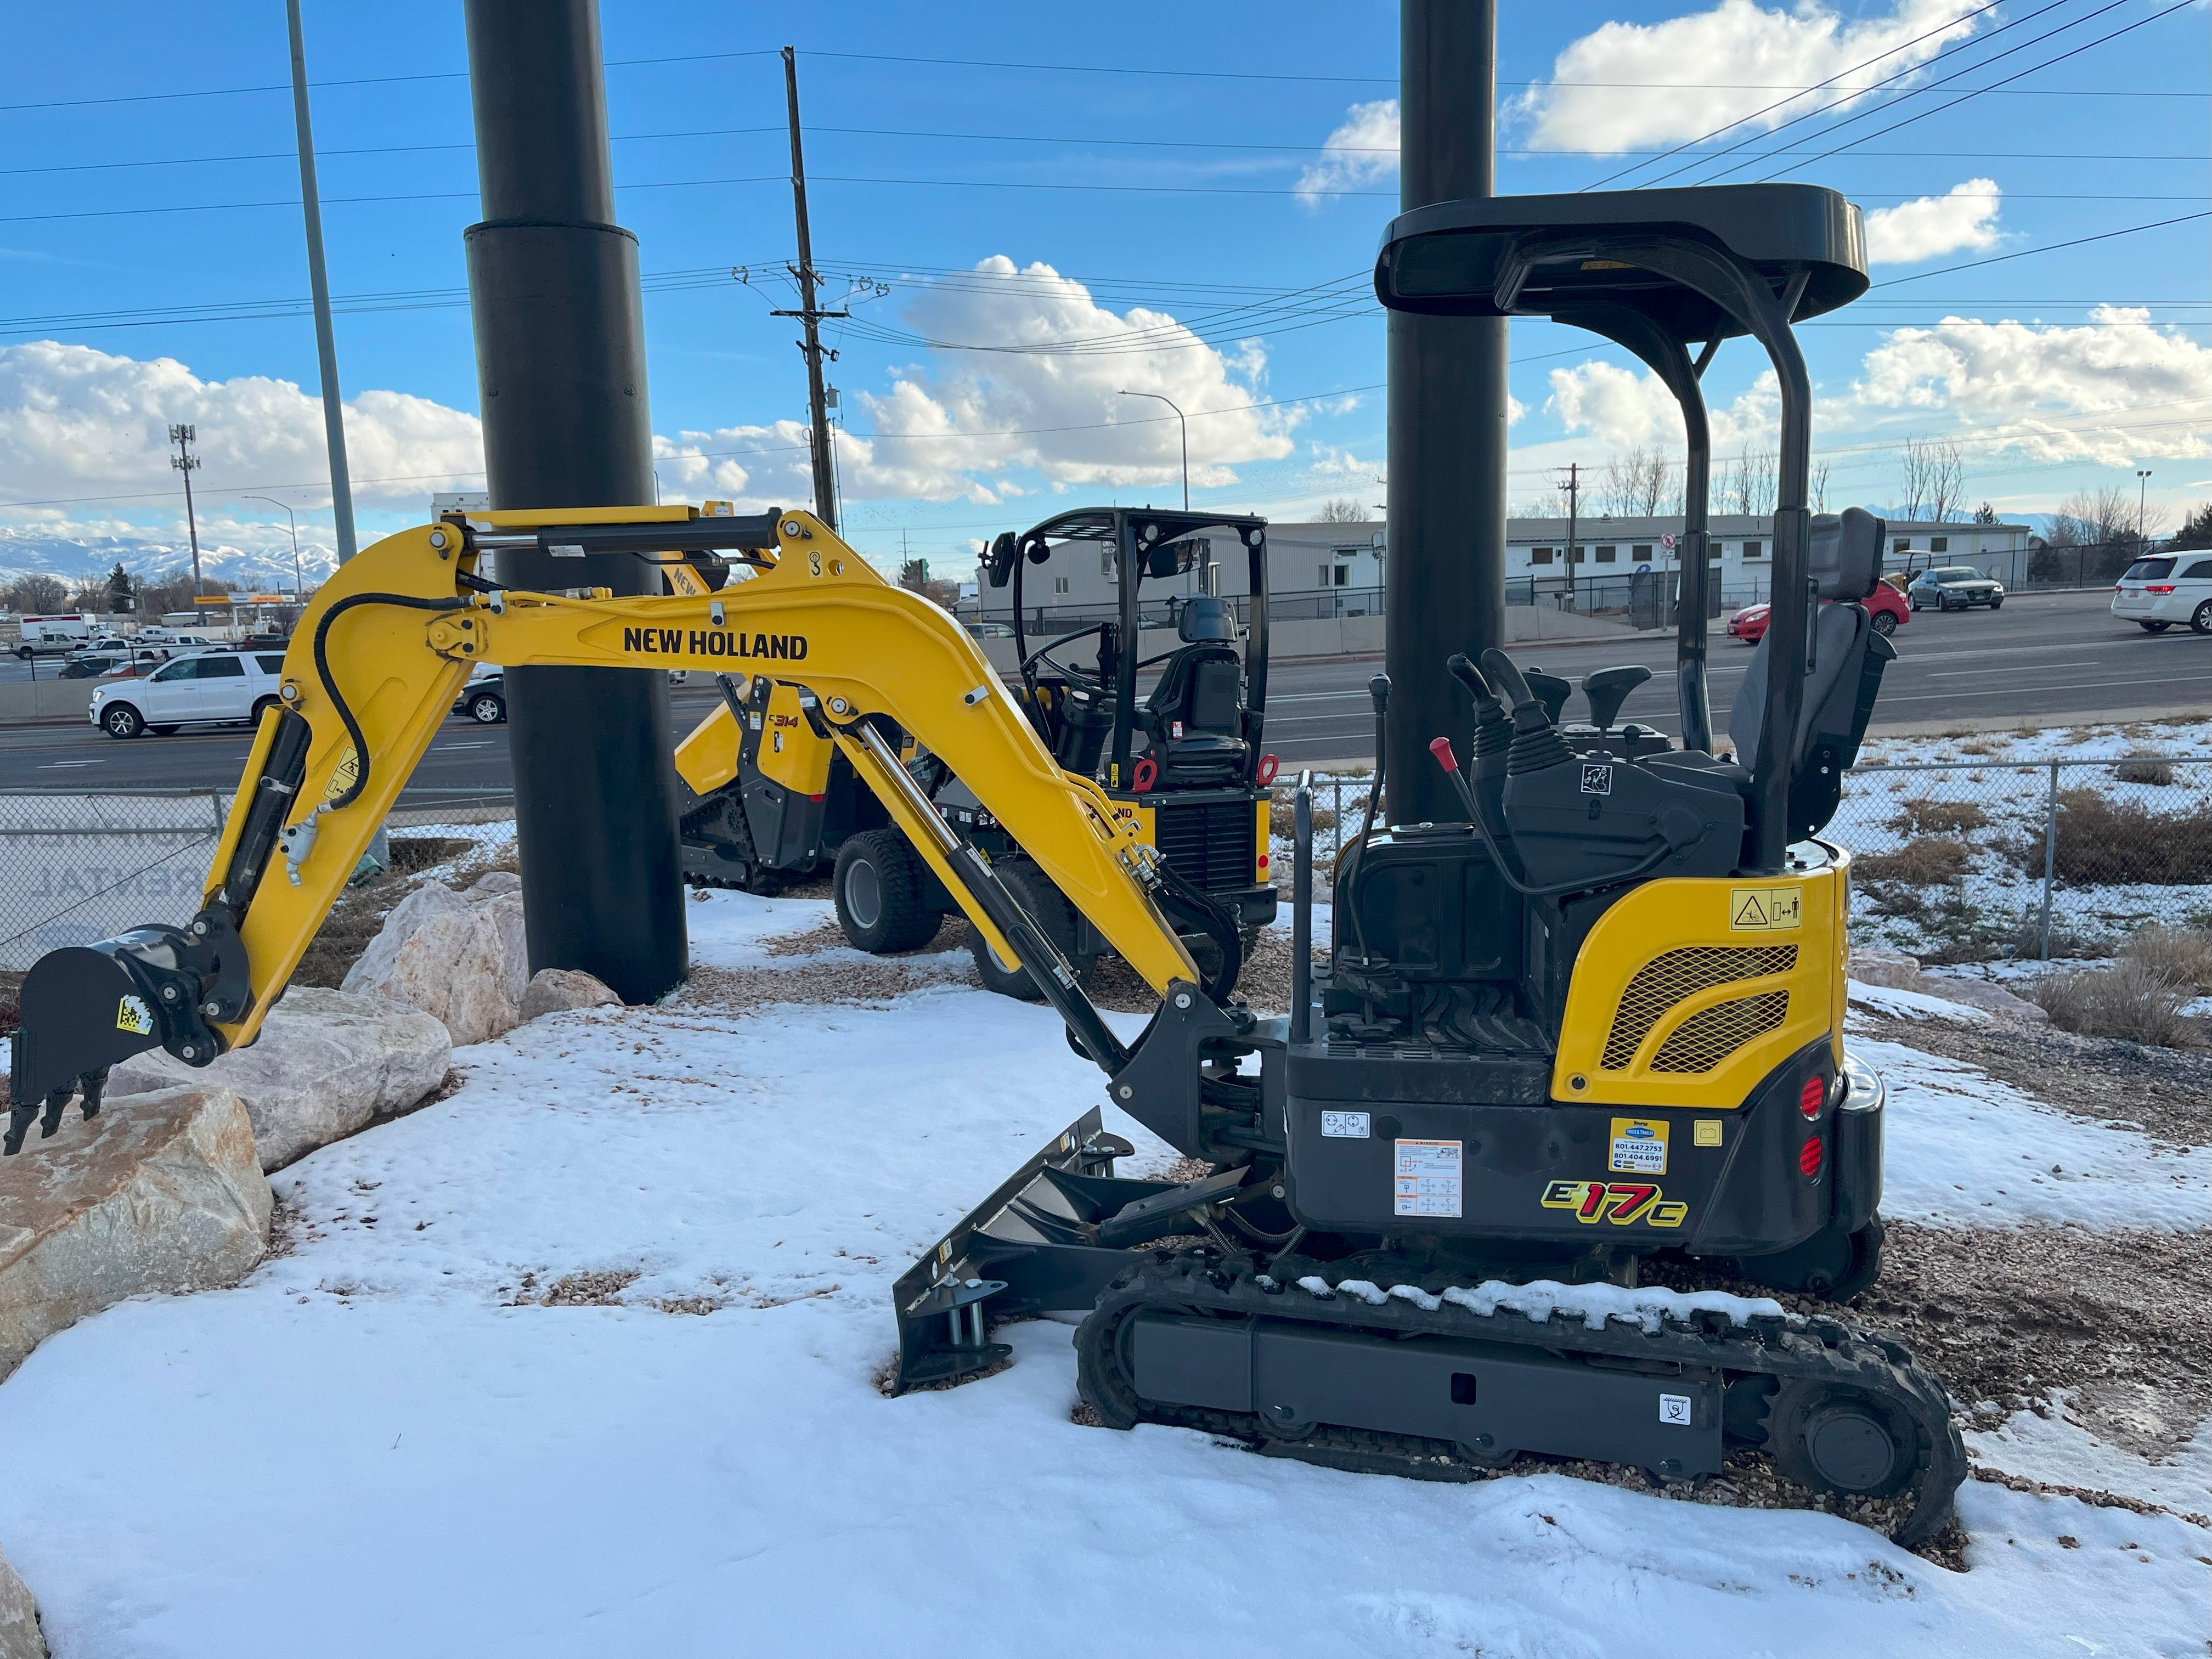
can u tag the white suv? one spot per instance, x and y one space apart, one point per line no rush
2158 591
207 686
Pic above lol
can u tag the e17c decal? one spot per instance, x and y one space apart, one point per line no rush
1624 1203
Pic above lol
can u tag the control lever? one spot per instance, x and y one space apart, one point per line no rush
1378 689
1552 690
1507 677
1609 688
1536 740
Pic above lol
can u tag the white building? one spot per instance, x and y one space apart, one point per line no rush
1322 570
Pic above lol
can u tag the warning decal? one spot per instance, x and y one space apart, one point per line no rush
1639 1145
134 1016
1765 909
1428 1178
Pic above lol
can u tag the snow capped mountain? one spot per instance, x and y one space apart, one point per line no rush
76 559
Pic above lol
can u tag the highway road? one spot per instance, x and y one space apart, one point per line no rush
2041 655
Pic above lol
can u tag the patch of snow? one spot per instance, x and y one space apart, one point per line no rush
1963 1149
2061 1452
1594 1304
731 929
1913 1005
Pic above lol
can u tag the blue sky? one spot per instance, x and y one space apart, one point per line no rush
1156 217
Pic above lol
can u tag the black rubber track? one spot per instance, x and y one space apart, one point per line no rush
1820 1353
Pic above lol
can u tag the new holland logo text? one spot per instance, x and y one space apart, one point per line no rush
713 642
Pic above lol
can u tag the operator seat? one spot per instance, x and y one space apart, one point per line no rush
1194 718
1848 657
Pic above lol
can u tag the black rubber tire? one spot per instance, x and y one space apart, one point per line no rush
1914 605
1883 622
1047 907
260 708
22 653
488 709
164 730
878 886
2160 627
2200 620
1996 605
1833 1438
121 719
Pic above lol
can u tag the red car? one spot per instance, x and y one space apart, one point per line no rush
1886 605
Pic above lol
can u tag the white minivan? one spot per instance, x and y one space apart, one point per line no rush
2164 589
210 686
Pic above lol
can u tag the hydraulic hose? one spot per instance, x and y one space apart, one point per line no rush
405 601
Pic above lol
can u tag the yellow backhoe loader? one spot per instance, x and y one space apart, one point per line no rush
1588 1036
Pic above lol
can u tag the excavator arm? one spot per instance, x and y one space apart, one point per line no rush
386 646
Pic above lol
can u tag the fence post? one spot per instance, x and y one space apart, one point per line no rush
2050 857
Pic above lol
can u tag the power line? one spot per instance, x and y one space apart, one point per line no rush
2048 248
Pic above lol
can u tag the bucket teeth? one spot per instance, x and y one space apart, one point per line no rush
49 1111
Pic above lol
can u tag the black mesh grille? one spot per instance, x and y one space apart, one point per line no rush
1214 844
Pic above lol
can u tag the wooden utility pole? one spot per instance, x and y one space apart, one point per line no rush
1573 487
184 460
326 350
809 316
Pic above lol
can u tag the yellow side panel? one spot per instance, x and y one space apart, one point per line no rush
790 753
1263 837
708 759
1840 993
1688 992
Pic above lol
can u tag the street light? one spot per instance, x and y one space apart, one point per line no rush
1170 403
299 587
2142 495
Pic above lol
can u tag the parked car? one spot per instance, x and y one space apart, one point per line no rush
990 630
207 686
262 642
2166 588
483 699
1955 588
1885 613
102 665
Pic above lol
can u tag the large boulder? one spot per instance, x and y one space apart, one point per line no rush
20 1636
326 1064
557 990
1877 964
1991 999
461 957
162 1193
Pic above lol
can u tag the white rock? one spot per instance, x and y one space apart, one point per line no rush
556 990
492 883
325 1064
159 1192
20 1636
1980 994
1877 964
464 961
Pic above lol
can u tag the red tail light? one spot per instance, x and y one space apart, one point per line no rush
1808 1158
1809 1098
2159 588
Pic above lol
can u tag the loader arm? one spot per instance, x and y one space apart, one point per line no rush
382 652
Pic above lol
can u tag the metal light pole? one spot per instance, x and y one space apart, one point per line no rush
299 587
1447 418
184 460
1170 403
559 335
2143 503
319 284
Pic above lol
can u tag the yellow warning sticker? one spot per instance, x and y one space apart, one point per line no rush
341 775
1765 909
134 1016
1706 1132
1639 1145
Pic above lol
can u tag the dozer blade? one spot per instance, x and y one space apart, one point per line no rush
1033 1246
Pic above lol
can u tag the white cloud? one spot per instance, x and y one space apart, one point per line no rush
1709 68
77 421
2042 389
1964 219
1362 151
981 411
1625 408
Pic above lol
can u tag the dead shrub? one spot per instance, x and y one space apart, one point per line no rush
2138 769
413 853
2133 1002
1924 816
1282 815
2183 955
1924 861
2104 842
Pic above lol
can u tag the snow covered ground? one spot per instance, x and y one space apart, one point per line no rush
387 1442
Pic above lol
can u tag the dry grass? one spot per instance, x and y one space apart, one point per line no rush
1925 817
2138 769
1282 819
1924 861
2103 842
2133 1001
2183 955
412 852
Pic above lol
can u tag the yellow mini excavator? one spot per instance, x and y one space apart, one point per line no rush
1586 1037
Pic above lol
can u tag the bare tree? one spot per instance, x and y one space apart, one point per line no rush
1820 483
30 595
1749 484
1935 478
1638 485
1340 509
2091 518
